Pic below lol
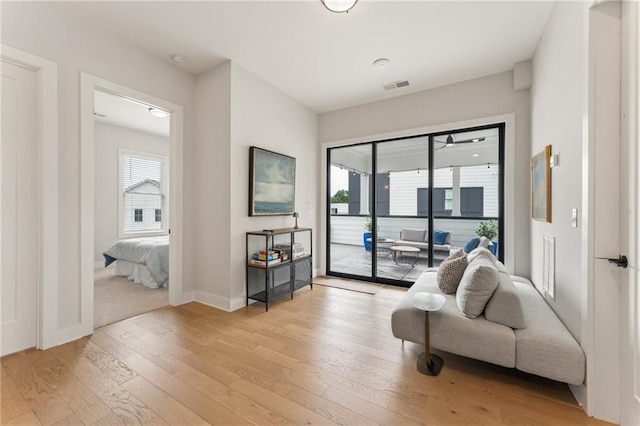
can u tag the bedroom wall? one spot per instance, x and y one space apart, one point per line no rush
557 104
108 139
39 29
468 100
236 109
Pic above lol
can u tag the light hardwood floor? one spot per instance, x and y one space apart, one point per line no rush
325 357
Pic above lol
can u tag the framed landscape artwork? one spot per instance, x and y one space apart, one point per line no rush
272 183
541 185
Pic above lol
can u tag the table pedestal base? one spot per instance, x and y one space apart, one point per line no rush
431 368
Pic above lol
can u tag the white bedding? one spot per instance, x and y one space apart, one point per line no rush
138 273
150 253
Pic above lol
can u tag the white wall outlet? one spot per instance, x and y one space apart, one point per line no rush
574 218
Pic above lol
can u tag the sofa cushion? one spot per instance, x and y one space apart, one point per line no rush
477 285
485 243
417 235
440 237
450 272
481 252
546 347
504 307
449 330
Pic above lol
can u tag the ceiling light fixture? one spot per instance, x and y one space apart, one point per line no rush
339 6
449 141
381 63
475 155
160 113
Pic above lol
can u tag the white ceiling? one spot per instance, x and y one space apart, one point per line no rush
323 59
119 111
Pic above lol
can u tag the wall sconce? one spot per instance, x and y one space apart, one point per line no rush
296 215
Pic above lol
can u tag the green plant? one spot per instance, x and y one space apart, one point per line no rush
368 223
487 229
341 196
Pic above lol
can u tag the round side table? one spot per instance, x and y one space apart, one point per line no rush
428 363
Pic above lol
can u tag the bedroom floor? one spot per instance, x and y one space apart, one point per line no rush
117 298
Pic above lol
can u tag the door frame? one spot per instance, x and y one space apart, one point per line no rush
47 191
88 84
630 217
509 121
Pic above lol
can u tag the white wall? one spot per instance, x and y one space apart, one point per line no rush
236 110
212 184
107 140
468 100
557 105
39 29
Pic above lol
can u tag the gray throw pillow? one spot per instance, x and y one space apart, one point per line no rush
408 234
504 307
478 283
450 272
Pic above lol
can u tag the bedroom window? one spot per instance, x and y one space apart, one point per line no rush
143 185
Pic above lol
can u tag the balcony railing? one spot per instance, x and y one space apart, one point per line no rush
347 229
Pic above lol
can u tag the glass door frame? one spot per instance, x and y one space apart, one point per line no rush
500 126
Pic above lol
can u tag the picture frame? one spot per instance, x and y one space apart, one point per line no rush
541 185
272 183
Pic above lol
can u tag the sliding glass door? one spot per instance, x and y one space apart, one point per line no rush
396 207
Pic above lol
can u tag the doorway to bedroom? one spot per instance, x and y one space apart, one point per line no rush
131 145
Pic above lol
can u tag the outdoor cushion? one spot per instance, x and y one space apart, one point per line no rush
450 272
505 307
471 244
412 234
478 283
440 237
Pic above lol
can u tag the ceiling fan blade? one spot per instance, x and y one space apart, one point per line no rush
474 140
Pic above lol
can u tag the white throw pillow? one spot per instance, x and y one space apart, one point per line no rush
477 285
481 252
505 307
450 272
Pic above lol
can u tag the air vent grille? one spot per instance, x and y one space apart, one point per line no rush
396 85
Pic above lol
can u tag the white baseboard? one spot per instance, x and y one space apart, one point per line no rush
580 394
70 334
189 296
212 300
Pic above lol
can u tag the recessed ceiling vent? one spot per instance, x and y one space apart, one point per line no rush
396 85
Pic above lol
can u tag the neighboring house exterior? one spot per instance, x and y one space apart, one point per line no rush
143 206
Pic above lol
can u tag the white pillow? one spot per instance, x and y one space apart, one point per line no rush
505 307
481 252
477 285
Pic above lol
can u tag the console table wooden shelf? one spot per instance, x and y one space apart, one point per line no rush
270 281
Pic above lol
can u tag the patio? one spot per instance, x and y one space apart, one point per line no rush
355 260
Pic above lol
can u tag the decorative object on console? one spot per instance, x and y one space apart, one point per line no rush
541 185
272 180
296 215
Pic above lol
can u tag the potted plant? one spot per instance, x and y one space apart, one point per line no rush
368 234
489 230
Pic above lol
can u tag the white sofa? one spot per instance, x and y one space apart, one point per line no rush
544 347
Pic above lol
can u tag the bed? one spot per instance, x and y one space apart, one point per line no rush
143 260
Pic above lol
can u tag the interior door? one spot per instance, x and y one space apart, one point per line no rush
19 208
